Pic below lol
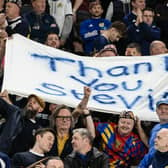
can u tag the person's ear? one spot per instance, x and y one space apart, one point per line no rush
40 109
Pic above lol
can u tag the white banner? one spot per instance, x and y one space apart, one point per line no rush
117 83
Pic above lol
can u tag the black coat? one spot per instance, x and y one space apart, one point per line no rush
12 127
96 159
17 132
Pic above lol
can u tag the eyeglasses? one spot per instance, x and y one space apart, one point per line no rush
67 118
148 15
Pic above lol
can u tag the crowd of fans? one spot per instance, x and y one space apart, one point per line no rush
37 134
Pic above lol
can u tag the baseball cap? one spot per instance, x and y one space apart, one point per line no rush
39 100
17 2
127 114
163 101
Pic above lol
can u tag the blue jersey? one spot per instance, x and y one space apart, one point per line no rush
90 29
100 42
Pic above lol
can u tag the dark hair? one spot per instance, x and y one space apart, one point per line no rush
93 3
134 45
148 9
42 131
51 32
120 27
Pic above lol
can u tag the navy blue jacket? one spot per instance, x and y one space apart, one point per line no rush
41 25
100 42
12 127
144 35
5 160
17 132
129 19
18 25
160 160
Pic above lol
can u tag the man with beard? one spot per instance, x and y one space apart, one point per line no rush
89 29
17 132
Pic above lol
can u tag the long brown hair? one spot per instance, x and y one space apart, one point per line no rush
56 113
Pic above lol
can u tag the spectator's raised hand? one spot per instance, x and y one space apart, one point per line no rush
141 132
87 91
139 16
40 165
5 96
2 20
83 104
3 34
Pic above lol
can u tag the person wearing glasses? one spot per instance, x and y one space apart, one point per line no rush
119 141
144 31
63 121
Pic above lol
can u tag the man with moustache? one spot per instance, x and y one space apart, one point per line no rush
17 132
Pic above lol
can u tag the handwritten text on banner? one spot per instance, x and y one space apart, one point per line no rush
117 83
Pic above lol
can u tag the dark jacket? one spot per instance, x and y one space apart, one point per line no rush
41 25
160 160
95 159
144 35
12 127
24 159
18 25
17 132
5 160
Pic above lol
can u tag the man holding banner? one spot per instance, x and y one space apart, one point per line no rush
17 131
119 141
63 121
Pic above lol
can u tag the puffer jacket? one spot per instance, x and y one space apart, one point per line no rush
96 159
